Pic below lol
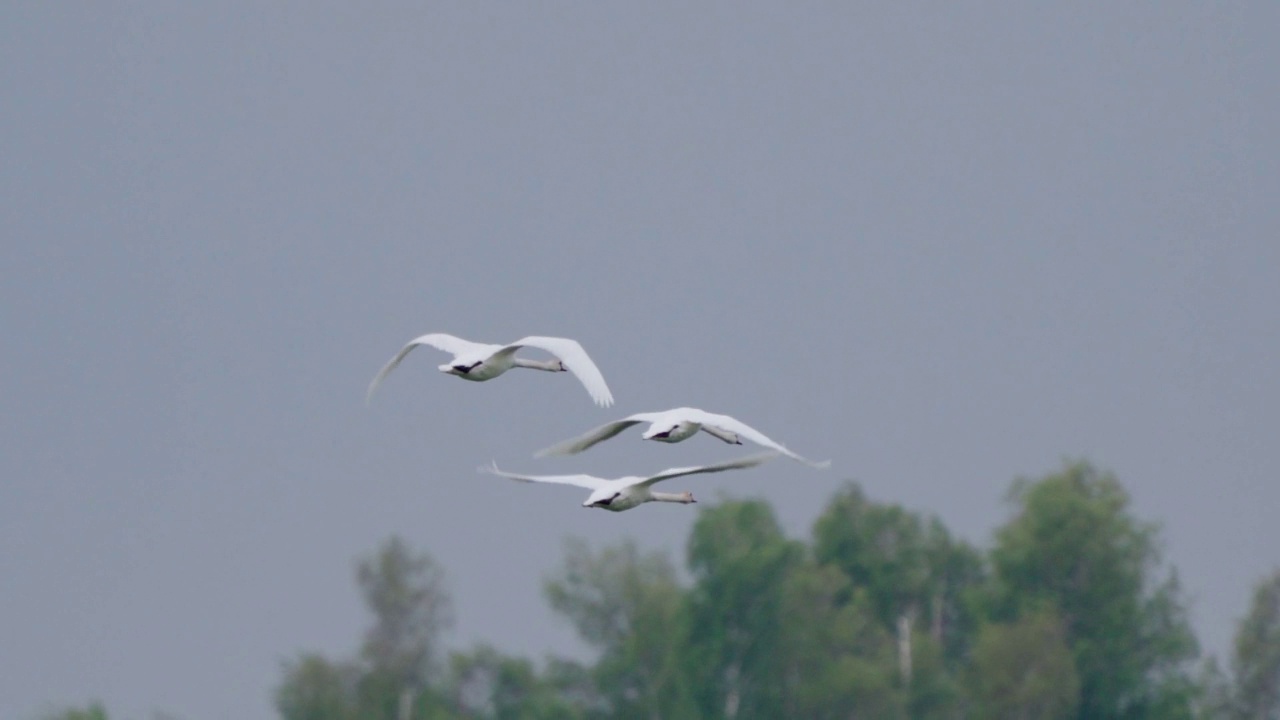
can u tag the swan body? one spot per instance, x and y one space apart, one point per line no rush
677 425
627 492
480 361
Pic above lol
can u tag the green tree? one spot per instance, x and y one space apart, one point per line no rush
835 659
405 593
411 608
908 565
916 579
1024 671
740 562
1074 547
933 691
626 605
1214 693
488 685
316 689
94 711
1256 663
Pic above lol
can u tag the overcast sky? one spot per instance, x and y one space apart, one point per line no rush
944 247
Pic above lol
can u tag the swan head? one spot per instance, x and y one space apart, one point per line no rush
687 498
669 432
602 499
660 432
459 369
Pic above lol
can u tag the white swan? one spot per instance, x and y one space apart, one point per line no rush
673 426
480 362
628 492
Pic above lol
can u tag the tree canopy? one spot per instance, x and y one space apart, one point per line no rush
883 613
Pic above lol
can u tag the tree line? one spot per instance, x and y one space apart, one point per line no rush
881 613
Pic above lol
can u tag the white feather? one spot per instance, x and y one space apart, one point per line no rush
661 421
485 362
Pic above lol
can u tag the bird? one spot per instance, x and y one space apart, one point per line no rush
479 361
676 425
625 493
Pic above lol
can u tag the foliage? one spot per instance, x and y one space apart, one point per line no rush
1024 669
741 563
1256 663
1074 547
884 614
486 684
405 592
317 689
94 711
907 564
1213 697
625 604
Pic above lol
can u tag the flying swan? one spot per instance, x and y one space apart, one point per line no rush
628 492
480 361
673 426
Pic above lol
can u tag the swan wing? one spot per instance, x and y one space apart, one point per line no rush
440 341
576 445
584 481
576 360
733 425
745 462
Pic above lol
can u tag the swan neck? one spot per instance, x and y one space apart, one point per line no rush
724 435
548 365
684 497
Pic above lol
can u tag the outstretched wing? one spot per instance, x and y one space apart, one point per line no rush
733 425
585 481
576 360
597 435
745 462
440 341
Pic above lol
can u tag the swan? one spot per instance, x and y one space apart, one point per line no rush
627 492
480 361
673 426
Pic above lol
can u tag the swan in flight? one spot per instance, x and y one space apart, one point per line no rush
673 426
628 492
480 361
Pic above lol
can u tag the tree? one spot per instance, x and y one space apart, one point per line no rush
625 604
405 592
885 615
908 565
1074 547
95 711
774 633
1024 670
316 689
741 562
1214 693
834 658
411 608
1256 663
487 684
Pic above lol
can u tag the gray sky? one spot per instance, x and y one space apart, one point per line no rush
943 247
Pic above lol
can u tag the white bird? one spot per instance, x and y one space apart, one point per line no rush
480 361
673 426
627 492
